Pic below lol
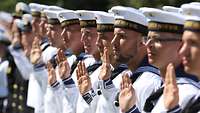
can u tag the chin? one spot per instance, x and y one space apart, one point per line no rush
187 69
151 61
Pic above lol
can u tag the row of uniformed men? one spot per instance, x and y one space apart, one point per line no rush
119 63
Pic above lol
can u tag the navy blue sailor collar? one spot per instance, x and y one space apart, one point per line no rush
181 73
144 67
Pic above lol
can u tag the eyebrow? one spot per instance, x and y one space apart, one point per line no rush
119 33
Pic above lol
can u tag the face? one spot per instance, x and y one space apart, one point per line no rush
162 48
27 39
55 36
35 24
190 52
104 40
88 38
72 38
42 26
124 44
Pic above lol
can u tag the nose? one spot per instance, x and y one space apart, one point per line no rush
63 32
98 41
148 43
115 41
184 50
41 23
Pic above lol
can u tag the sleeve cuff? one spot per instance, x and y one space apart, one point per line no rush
17 47
68 82
134 109
176 109
55 85
39 66
106 84
88 97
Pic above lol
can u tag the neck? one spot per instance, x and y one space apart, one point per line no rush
96 56
135 62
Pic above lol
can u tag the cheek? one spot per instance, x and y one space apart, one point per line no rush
128 46
195 55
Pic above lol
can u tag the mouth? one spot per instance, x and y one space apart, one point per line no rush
185 61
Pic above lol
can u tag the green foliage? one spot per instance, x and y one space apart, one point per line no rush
103 5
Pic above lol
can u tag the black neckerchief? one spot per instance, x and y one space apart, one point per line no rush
144 67
120 68
93 67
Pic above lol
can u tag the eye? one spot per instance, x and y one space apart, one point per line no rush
194 43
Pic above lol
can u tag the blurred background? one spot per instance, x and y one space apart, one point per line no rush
103 5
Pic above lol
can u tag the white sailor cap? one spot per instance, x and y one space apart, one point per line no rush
7 17
24 24
130 14
104 17
52 16
105 21
192 13
20 9
86 15
158 21
68 17
172 9
87 18
191 9
55 8
36 9
130 18
195 3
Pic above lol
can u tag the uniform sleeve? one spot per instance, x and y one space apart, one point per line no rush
108 89
53 99
87 103
22 62
176 109
134 109
70 93
38 85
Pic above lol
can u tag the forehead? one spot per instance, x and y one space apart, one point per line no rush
106 35
53 26
125 31
162 34
89 29
189 35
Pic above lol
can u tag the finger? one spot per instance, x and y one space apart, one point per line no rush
167 75
173 75
77 74
126 80
129 79
49 65
63 55
123 82
107 56
84 68
58 56
104 55
81 68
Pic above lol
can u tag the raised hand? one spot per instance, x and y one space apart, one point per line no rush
171 92
127 97
105 72
51 73
63 65
83 78
36 51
